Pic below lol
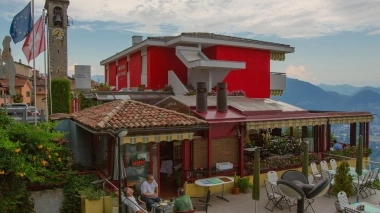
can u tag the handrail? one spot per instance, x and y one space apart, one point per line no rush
345 157
106 180
103 181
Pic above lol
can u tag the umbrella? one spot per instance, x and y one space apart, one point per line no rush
305 161
359 162
116 166
256 178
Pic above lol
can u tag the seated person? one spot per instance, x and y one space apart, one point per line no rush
130 200
183 202
337 146
149 191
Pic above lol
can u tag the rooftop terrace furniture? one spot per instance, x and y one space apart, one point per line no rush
333 164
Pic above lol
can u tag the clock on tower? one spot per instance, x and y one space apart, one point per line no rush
57 22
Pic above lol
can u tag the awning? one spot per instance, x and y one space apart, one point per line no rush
351 119
276 92
157 138
277 56
286 123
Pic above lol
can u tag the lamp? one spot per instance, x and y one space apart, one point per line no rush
119 134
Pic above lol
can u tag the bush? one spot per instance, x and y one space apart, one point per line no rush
343 180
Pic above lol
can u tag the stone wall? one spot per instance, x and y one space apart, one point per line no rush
48 201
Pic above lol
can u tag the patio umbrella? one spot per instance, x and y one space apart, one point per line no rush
359 162
305 161
256 178
116 166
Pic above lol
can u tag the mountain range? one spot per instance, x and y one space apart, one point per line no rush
311 97
346 89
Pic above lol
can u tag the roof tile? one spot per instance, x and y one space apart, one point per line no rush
132 114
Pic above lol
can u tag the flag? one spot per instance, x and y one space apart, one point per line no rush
39 41
21 24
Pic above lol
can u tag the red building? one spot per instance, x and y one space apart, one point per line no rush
183 60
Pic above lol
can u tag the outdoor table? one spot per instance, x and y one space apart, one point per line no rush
368 208
164 207
214 181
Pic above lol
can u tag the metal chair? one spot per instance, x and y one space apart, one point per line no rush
343 200
315 172
273 196
333 164
138 192
272 176
324 165
203 206
372 179
190 211
361 184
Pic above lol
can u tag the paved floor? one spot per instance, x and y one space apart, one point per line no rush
244 203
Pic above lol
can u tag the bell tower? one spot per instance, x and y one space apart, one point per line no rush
57 23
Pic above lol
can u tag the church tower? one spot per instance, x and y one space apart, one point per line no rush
57 22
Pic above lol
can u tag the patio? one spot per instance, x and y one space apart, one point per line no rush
244 203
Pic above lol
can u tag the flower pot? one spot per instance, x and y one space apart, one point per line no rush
115 201
235 190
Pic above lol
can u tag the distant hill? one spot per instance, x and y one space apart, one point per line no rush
343 89
98 78
374 89
311 97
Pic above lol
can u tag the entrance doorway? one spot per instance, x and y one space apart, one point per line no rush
168 160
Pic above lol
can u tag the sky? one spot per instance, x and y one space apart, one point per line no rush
336 41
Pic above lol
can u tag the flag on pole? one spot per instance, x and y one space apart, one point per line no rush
21 24
39 41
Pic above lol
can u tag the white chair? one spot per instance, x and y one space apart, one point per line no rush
343 201
273 196
310 178
314 171
272 177
333 164
324 166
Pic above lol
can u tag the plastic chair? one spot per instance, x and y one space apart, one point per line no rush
272 176
203 206
315 172
191 211
343 201
333 164
324 165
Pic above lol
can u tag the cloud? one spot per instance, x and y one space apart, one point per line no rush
375 32
300 73
85 27
286 19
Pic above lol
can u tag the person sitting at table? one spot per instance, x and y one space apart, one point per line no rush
149 191
130 201
183 202
337 146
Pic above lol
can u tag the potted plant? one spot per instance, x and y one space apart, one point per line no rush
177 176
342 182
103 87
244 184
235 189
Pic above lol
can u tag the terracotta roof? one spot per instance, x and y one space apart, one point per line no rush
19 82
132 114
217 36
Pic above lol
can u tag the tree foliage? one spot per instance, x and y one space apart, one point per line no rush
29 155
18 98
343 180
61 95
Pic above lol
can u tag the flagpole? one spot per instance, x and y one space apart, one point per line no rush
46 91
34 67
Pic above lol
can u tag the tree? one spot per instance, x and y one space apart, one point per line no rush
18 98
29 155
343 180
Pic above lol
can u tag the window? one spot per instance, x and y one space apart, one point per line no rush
28 94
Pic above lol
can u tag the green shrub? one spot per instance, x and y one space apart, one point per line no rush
343 180
61 95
